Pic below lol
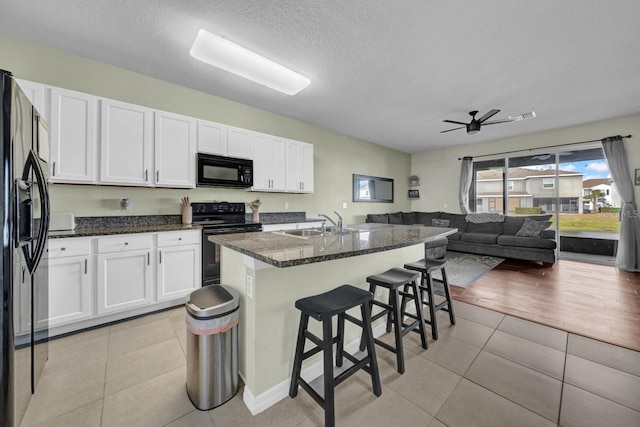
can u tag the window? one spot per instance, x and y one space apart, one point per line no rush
548 182
510 185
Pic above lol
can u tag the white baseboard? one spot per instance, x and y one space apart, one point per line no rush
263 401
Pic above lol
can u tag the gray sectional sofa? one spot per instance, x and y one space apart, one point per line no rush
496 237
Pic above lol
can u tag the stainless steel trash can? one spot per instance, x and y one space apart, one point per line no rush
212 345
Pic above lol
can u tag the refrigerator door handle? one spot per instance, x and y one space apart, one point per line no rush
40 182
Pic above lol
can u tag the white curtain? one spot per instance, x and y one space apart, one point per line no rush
628 257
466 176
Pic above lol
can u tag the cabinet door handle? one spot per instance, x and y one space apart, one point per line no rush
126 243
146 175
160 256
148 258
85 266
157 175
63 249
53 172
179 238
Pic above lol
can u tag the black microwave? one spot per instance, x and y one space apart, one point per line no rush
219 171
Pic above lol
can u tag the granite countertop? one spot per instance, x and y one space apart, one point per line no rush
113 230
282 250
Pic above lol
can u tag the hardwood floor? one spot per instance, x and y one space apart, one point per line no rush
595 301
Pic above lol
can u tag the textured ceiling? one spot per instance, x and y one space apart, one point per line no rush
384 71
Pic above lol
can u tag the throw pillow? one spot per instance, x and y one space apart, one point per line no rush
483 218
435 222
532 228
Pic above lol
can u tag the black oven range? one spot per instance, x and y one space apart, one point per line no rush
218 218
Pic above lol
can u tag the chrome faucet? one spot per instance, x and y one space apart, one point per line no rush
339 225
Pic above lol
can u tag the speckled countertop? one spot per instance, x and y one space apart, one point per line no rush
282 250
111 225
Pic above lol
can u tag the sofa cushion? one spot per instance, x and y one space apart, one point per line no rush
526 242
395 218
479 238
437 222
487 227
512 224
425 218
378 218
455 236
409 218
532 228
455 220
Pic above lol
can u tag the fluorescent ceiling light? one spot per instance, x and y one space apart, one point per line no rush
224 54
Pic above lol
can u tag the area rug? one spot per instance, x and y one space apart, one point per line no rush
464 269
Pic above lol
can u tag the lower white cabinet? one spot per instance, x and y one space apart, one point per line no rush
69 290
179 261
95 280
124 277
67 265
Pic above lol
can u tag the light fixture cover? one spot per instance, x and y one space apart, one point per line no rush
224 54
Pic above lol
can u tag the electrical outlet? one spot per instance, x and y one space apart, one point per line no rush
344 205
249 286
378 291
286 205
444 205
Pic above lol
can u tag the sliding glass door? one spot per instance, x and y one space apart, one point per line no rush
573 186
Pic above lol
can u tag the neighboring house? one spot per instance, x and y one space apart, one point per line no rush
529 188
610 196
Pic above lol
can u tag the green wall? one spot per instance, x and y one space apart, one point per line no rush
337 156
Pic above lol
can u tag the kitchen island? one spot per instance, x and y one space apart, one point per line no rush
271 270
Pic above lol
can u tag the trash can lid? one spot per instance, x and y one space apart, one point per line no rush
212 301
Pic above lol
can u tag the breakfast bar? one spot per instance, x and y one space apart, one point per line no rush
271 270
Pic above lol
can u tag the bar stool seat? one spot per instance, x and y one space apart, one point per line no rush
395 309
427 267
323 308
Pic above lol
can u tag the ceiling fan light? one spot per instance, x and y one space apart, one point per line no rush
473 132
226 55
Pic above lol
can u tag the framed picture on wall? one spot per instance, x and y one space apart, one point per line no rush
637 176
414 194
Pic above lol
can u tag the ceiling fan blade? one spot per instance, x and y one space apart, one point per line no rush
449 130
488 115
454 122
495 122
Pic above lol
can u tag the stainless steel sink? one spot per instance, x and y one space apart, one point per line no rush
307 232
345 230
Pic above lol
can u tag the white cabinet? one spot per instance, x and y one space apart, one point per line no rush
178 261
73 136
37 95
299 167
269 172
239 143
212 138
124 278
175 150
67 270
126 144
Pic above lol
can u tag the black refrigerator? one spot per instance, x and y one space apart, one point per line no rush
24 153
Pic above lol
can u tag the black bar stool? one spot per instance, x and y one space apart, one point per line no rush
427 267
395 310
322 308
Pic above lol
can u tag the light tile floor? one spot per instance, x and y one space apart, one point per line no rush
487 370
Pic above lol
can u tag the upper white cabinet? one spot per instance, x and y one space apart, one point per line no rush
212 138
239 143
37 94
126 143
175 150
299 167
269 172
73 136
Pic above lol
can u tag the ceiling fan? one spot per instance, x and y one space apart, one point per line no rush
475 124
